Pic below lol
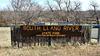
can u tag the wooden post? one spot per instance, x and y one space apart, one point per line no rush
38 40
49 41
98 35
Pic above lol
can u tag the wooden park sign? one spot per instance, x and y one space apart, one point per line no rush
50 31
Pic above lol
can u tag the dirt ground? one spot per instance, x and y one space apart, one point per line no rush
84 50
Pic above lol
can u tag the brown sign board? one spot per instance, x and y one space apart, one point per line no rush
50 31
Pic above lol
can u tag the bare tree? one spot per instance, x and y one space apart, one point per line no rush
59 2
54 10
66 10
93 11
25 10
72 10
1 18
3 21
60 12
76 11
68 5
51 8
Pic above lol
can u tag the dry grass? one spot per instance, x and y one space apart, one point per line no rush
84 50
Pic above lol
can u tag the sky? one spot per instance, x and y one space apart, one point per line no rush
4 3
85 3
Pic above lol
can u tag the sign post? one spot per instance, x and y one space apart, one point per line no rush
49 41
